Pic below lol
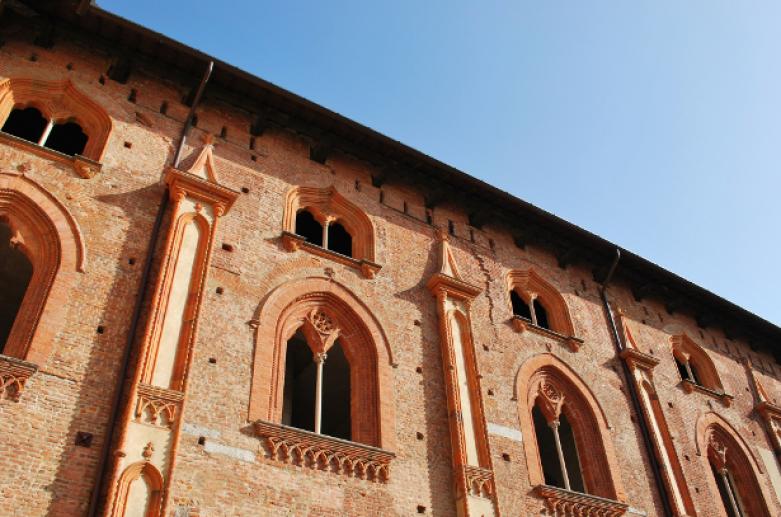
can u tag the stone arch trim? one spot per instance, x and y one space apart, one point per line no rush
529 283
546 373
50 237
718 441
328 204
291 306
683 347
131 474
59 100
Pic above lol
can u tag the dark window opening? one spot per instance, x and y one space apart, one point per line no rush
15 274
695 374
298 405
546 443
571 458
541 314
520 307
682 370
26 123
339 240
723 492
308 227
67 138
336 394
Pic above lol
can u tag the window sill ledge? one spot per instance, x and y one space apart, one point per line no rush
84 167
319 452
689 387
293 242
521 324
13 376
567 502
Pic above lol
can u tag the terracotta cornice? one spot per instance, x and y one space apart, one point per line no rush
294 242
442 283
567 502
184 183
84 167
637 359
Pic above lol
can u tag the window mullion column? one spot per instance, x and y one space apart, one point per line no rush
688 366
46 132
532 297
554 425
319 361
724 473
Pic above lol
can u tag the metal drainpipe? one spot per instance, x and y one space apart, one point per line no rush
655 467
103 463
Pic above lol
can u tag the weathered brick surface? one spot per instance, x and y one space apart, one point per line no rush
44 473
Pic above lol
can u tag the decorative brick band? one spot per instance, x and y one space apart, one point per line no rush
566 503
319 452
13 375
157 406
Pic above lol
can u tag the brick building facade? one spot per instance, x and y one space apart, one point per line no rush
221 299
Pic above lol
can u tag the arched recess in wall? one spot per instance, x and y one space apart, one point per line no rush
43 229
720 446
59 101
530 286
139 491
326 205
294 306
694 363
169 358
546 375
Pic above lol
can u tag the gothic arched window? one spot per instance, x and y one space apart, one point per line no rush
16 270
569 446
733 474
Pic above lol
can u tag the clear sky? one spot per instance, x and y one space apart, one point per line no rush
655 124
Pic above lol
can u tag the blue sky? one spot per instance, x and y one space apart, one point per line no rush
655 124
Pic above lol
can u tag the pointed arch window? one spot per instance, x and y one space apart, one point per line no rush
569 454
538 306
696 369
55 116
323 222
733 475
41 254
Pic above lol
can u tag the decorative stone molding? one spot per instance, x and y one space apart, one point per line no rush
293 242
50 238
566 503
521 324
690 387
319 452
13 376
157 406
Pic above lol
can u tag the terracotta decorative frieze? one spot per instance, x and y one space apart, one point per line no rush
566 503
294 242
13 376
157 406
319 452
479 480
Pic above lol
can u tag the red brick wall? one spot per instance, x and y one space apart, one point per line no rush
42 472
